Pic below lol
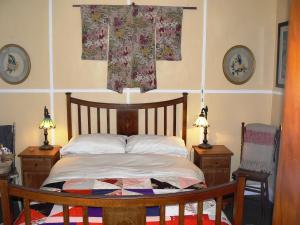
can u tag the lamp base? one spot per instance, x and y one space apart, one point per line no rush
205 146
46 147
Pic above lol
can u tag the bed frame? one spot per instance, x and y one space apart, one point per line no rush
127 116
125 210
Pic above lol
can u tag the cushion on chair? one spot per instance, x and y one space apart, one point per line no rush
258 150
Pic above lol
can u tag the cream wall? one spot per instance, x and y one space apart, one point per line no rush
26 23
249 23
228 24
277 100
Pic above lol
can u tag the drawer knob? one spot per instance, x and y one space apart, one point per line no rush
35 164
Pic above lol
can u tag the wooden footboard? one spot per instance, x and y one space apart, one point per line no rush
129 210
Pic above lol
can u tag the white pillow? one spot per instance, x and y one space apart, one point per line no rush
156 144
95 144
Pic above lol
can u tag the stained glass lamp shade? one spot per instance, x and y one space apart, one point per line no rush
47 123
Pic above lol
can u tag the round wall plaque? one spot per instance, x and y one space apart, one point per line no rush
238 64
14 64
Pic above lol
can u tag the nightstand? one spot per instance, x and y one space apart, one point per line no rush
215 163
36 164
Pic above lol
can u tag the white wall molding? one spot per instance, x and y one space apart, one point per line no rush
51 68
239 91
24 91
170 91
128 98
278 92
84 90
137 90
203 63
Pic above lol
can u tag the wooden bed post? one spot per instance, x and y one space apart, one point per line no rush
184 112
238 208
69 115
6 215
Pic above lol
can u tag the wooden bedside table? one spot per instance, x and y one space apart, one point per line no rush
215 163
36 164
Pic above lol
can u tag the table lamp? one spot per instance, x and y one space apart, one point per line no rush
202 122
47 123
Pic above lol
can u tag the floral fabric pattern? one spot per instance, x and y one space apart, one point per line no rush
168 33
138 35
143 65
120 49
94 32
131 55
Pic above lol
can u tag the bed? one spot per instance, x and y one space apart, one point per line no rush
132 177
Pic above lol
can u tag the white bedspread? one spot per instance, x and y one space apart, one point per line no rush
161 167
122 166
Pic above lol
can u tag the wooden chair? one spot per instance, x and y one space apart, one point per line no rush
255 175
7 139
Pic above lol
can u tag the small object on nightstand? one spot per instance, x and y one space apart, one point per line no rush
202 122
47 123
215 163
36 164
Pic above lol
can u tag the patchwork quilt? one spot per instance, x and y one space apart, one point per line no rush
50 214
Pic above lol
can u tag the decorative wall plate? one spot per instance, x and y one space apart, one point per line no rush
238 64
14 64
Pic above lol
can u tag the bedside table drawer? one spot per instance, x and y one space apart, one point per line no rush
40 164
215 162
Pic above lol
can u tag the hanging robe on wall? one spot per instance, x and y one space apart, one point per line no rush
138 36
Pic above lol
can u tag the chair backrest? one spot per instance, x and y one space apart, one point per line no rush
258 147
7 137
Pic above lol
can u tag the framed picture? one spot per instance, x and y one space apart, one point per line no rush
238 64
281 54
14 64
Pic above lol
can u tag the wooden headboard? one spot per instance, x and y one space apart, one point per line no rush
127 116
